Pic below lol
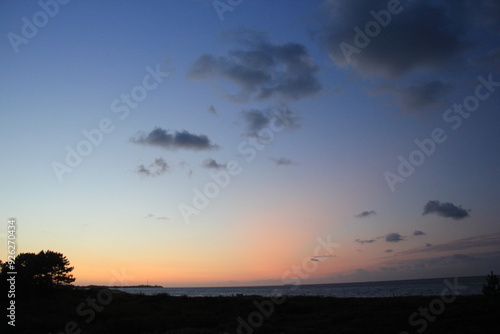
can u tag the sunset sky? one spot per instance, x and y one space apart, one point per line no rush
198 143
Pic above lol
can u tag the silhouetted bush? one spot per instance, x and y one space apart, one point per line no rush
492 286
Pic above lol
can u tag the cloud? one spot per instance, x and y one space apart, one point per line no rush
441 261
428 244
323 256
424 35
282 161
171 141
482 241
365 241
417 98
388 251
256 120
313 259
278 116
445 209
212 164
365 214
212 110
163 218
262 69
157 168
394 237
418 233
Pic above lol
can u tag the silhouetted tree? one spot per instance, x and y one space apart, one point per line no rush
46 269
492 286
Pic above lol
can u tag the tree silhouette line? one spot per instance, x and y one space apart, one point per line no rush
43 271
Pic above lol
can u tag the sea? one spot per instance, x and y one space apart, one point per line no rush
415 287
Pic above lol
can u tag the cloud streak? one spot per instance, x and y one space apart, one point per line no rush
282 161
366 214
482 241
369 241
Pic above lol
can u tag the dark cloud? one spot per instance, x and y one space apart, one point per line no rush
445 209
425 34
394 237
421 97
157 168
262 69
388 251
428 244
212 164
177 140
418 233
365 214
365 241
282 161
313 259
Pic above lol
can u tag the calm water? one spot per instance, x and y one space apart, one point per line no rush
420 287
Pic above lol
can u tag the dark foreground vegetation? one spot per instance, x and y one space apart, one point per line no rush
97 311
39 298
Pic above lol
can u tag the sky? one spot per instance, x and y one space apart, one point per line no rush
236 143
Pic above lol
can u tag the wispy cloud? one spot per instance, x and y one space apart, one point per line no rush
445 209
417 233
420 97
282 161
212 164
481 241
258 119
365 214
157 168
212 110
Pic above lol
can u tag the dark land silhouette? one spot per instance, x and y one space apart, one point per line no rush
47 302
